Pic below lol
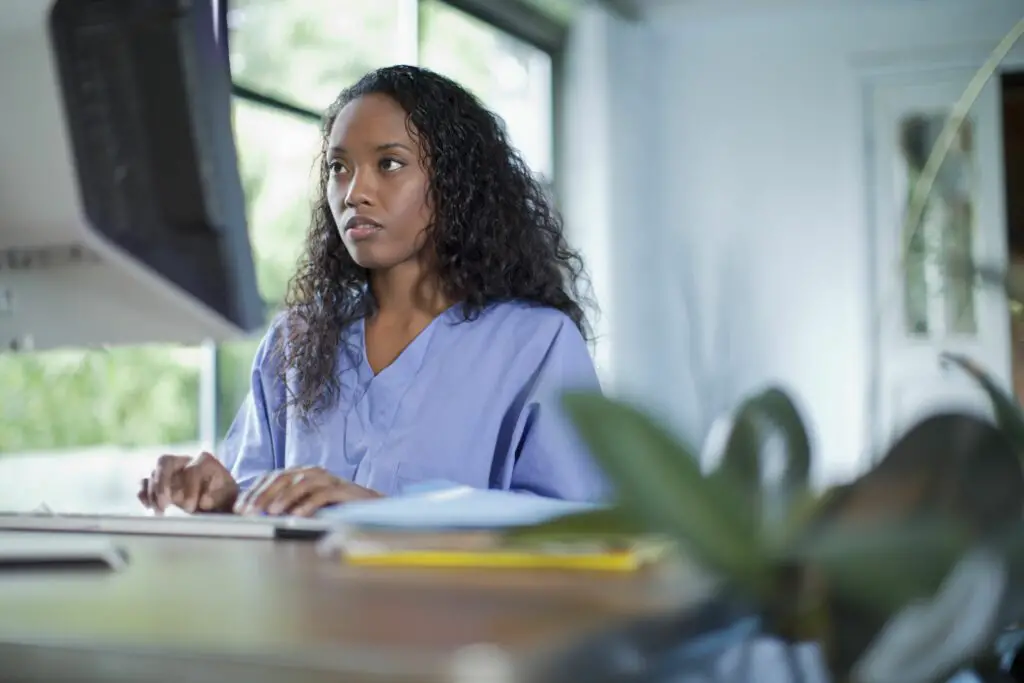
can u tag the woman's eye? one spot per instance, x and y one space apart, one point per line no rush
335 167
391 165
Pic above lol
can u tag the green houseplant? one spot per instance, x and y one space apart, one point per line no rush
834 567
899 575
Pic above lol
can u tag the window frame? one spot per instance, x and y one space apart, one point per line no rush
516 17
519 19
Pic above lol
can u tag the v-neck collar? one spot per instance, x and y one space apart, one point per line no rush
408 363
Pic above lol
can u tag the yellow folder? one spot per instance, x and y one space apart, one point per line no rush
487 550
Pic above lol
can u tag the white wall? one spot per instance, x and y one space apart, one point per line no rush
720 194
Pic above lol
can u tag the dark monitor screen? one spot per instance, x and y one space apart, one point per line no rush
138 201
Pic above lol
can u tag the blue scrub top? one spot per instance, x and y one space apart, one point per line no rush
474 402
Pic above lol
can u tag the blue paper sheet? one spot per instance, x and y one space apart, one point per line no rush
442 505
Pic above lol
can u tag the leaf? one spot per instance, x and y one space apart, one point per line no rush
950 465
1010 280
922 188
930 640
804 515
1009 543
659 483
779 408
1009 415
741 460
761 417
603 524
884 566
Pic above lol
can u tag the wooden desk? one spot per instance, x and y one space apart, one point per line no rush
219 610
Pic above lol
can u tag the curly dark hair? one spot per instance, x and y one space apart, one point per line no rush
495 234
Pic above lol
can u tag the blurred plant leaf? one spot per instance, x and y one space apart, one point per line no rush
741 459
948 465
884 566
604 524
1010 280
1009 543
660 484
805 511
923 187
770 488
1009 415
930 640
779 408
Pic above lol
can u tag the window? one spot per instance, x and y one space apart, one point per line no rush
289 61
129 396
938 298
84 425
511 77
305 52
276 159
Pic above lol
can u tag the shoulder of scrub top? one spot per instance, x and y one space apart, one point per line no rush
524 323
536 335
524 319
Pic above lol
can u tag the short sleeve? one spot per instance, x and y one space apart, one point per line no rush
551 460
255 442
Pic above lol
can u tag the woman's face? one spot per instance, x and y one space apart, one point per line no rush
377 186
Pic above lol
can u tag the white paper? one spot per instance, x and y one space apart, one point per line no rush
442 505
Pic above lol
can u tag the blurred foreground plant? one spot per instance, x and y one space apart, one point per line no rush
837 567
901 575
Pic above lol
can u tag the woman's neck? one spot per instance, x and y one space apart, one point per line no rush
407 292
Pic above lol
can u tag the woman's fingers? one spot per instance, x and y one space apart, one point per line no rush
272 485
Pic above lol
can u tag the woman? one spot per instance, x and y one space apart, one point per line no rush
432 324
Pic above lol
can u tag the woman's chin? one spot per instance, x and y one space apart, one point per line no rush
375 256
365 256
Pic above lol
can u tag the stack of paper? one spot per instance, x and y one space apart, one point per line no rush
443 506
444 525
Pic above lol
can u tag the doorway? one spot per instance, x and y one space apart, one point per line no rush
1012 86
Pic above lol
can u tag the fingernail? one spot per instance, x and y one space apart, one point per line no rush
275 509
206 501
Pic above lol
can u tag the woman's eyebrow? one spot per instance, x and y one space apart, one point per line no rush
392 145
337 149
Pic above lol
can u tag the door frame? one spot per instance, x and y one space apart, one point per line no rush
924 66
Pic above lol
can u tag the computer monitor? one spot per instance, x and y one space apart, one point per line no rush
122 218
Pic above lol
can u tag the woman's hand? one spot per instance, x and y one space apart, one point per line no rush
200 484
299 491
